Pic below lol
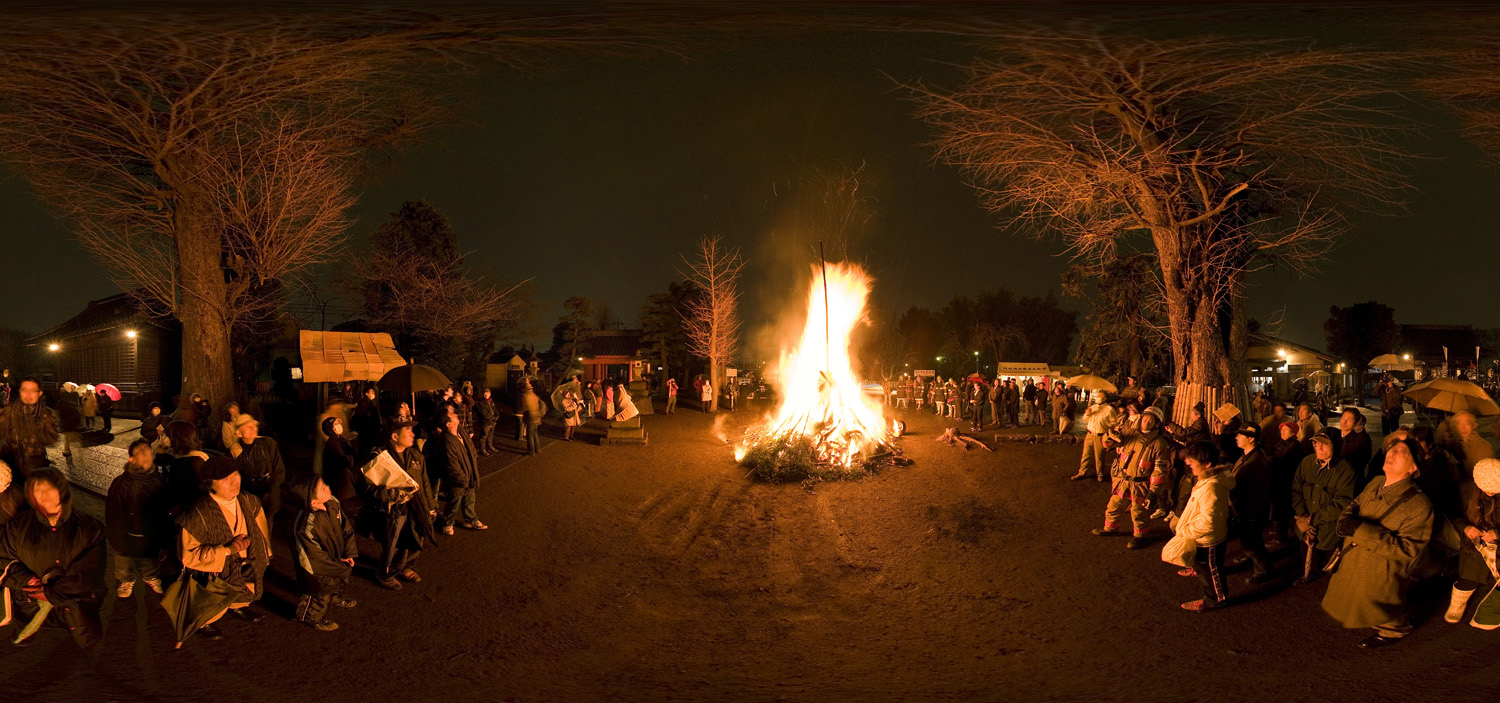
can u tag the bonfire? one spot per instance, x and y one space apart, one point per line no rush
825 423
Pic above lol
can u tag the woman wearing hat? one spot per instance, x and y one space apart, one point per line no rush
1478 522
224 548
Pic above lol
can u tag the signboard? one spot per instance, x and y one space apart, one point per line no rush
731 373
927 373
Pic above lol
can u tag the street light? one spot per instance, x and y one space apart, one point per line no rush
130 334
1406 357
53 347
976 362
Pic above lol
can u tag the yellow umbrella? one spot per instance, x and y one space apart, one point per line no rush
1090 382
1391 362
1454 396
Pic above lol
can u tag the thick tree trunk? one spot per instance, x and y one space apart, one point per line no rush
207 368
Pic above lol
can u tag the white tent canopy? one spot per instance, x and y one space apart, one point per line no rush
1018 369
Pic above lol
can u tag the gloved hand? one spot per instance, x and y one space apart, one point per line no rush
1348 524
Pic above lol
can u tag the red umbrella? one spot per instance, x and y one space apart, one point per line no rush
974 377
109 390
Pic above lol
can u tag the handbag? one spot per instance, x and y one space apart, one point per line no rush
1338 554
1180 551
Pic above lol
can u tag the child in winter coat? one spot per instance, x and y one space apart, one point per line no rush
324 549
1205 521
135 520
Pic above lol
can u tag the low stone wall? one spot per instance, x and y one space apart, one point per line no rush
93 468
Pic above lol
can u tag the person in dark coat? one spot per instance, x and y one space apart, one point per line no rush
135 520
404 517
202 416
261 466
53 554
151 425
338 460
1321 489
69 418
184 487
324 548
367 424
1391 405
451 457
1354 445
485 416
107 411
27 428
1250 502
1285 453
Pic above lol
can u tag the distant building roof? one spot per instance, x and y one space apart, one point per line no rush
104 314
1264 347
613 343
1427 341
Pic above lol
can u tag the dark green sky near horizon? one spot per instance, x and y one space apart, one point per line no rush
593 174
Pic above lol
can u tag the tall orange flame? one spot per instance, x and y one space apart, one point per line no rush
820 395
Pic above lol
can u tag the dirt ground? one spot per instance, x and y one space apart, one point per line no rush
660 573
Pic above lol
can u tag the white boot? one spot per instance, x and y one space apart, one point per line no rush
1457 605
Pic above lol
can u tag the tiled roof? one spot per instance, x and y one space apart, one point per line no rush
103 314
620 343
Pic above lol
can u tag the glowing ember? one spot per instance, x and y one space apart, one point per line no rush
820 397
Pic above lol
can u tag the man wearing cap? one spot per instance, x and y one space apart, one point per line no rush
406 517
1098 419
1250 502
261 466
1143 468
1321 489
1390 405
1478 523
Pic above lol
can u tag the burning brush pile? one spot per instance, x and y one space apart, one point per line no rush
826 427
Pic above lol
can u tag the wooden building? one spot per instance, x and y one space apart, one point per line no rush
114 340
613 354
1275 364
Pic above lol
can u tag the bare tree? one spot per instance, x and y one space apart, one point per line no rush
1215 155
1468 79
712 322
202 156
1000 339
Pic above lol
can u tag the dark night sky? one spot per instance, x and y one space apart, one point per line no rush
593 174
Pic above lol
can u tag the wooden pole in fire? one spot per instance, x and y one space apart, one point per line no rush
827 353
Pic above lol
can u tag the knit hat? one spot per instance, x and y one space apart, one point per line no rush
1487 476
1290 424
216 468
244 419
1160 416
